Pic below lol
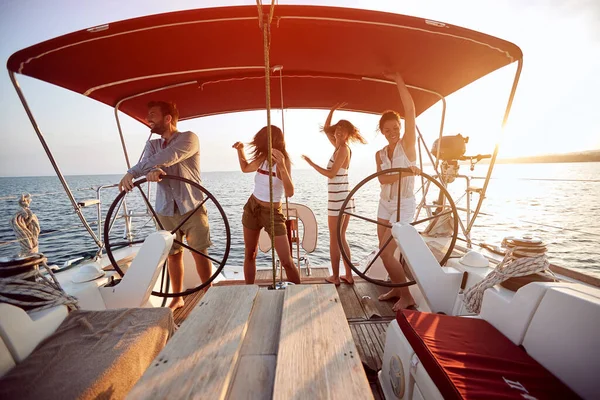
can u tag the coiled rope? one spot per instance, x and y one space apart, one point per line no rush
44 293
523 257
26 226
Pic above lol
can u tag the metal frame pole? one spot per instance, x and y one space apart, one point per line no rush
51 158
497 147
121 136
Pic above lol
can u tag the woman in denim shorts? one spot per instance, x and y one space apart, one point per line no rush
257 211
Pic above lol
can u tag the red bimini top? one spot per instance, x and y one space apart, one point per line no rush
215 61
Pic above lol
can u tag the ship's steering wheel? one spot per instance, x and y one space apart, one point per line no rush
446 206
218 262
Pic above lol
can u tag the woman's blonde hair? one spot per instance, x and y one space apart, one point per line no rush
353 132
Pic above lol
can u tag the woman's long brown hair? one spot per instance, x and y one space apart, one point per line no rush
261 141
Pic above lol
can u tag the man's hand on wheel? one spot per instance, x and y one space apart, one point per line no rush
126 183
155 175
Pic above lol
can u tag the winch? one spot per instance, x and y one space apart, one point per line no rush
452 150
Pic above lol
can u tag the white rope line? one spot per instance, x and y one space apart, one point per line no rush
176 73
411 28
129 32
518 261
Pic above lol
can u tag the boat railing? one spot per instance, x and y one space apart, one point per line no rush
467 225
122 213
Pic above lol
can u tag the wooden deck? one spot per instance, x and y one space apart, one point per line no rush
367 317
285 344
359 301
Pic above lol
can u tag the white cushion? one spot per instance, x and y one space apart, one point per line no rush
563 336
22 334
511 315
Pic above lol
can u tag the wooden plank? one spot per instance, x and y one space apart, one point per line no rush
371 344
361 344
317 358
377 348
318 272
200 359
350 303
573 274
371 301
377 333
191 301
254 377
265 274
371 309
269 282
370 341
262 336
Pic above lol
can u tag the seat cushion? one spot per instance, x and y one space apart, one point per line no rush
468 358
92 354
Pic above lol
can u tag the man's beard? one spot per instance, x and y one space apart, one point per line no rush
159 128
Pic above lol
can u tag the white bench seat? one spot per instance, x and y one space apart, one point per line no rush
555 322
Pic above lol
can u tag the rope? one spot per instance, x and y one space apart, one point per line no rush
33 284
521 259
266 28
26 226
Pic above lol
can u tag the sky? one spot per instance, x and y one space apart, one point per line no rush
556 109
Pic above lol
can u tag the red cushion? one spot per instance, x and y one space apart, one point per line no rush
468 358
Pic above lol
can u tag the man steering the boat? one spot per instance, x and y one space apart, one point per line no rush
175 153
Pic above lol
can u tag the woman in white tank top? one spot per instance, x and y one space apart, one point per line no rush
257 211
340 135
399 153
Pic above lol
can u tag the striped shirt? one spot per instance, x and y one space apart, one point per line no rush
337 190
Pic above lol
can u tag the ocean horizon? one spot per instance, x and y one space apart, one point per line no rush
520 200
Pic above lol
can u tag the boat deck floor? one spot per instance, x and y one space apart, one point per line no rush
367 316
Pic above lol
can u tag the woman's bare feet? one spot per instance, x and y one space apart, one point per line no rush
348 279
403 303
334 280
392 294
176 303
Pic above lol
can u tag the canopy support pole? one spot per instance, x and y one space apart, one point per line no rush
52 160
497 147
121 136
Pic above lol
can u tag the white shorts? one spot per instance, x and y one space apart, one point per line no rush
387 210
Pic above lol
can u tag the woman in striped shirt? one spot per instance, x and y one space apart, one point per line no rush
340 135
